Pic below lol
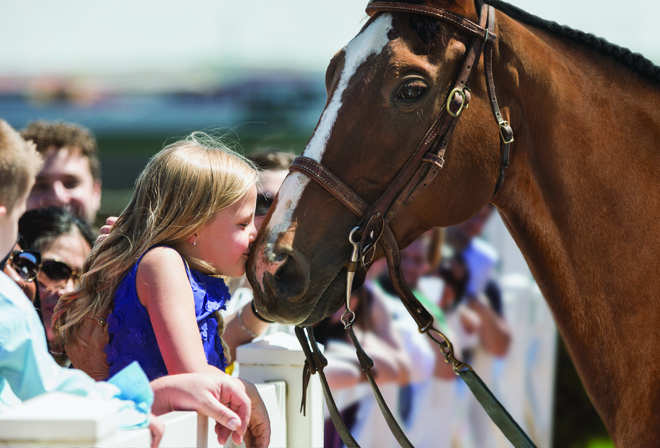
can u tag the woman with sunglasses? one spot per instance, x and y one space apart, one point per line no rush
64 241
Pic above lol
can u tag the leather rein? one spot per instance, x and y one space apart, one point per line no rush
418 172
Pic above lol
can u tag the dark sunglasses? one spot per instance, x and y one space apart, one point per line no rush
264 201
59 271
25 263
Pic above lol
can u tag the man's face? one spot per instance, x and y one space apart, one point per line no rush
66 181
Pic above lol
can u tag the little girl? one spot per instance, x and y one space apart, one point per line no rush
157 275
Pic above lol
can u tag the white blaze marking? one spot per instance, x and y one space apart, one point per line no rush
371 41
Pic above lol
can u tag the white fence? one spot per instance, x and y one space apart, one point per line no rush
274 364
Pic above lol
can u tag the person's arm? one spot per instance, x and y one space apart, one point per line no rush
384 328
234 404
494 331
164 289
243 330
344 370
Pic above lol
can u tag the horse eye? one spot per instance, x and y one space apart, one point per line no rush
413 90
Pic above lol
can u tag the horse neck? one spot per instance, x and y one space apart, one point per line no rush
581 199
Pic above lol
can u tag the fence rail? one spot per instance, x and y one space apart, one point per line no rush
274 364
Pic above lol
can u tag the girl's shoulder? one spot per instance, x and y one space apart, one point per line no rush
161 274
161 253
162 259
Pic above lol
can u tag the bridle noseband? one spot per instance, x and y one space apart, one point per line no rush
418 172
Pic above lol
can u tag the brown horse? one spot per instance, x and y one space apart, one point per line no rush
581 196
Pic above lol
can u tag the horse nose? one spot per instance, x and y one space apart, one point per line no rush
290 280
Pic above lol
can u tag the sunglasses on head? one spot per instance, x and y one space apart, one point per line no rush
25 263
264 201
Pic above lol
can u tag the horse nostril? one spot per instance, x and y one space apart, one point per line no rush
291 279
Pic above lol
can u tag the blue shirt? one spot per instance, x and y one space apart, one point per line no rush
132 337
28 370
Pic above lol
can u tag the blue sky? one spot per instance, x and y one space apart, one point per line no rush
89 36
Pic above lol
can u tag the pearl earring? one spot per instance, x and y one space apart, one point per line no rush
194 242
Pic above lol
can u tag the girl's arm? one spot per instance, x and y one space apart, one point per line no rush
164 289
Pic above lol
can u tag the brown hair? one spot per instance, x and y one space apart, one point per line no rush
60 134
19 164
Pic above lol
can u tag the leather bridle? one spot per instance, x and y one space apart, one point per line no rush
418 172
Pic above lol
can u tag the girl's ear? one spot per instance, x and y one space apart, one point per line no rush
192 239
3 210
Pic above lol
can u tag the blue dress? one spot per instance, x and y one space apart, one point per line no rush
131 336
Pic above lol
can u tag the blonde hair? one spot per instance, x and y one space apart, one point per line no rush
19 165
180 189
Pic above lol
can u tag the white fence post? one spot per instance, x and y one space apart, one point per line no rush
279 357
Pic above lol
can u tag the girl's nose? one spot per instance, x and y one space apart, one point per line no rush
253 232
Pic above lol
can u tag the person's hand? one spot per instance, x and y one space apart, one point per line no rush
235 405
258 434
157 429
105 230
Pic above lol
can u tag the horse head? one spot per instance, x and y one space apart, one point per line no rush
386 88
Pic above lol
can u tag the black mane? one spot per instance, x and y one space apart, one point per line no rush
635 61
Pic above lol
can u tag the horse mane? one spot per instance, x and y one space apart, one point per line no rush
634 61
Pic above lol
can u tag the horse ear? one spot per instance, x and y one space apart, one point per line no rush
465 8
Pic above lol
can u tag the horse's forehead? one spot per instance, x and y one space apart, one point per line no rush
371 41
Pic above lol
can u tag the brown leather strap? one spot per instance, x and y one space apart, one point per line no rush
331 183
422 317
315 362
506 132
447 16
497 413
424 177
413 179
366 363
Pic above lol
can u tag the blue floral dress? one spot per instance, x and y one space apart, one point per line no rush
131 336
